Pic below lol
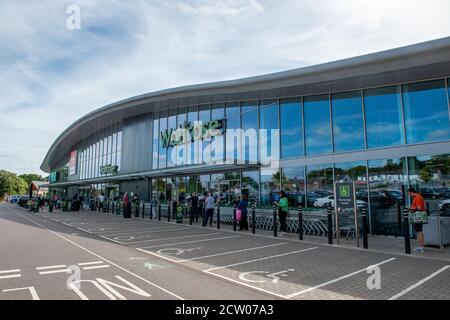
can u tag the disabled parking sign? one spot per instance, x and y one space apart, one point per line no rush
344 197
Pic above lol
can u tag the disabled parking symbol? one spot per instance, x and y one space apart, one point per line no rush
273 277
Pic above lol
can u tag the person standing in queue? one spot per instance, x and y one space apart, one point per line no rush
418 205
194 205
155 203
126 202
209 203
283 206
101 200
243 205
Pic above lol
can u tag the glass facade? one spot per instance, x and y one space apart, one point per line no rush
383 111
233 143
162 150
293 183
103 149
270 185
310 126
348 123
250 141
426 111
268 120
291 123
388 183
317 125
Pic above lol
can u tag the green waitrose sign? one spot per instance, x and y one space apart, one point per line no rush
170 138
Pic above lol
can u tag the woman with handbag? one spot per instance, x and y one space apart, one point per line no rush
283 209
242 213
418 206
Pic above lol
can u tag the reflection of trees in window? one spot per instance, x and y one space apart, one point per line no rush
279 178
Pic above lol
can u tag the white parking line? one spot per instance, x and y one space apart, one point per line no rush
139 231
51 267
337 279
90 263
9 271
186 242
414 286
172 238
10 276
259 259
98 256
233 252
96 267
54 271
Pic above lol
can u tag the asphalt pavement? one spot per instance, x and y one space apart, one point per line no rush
91 255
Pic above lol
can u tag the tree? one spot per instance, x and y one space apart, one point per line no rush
31 177
11 184
426 175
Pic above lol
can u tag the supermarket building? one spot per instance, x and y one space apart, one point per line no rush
381 120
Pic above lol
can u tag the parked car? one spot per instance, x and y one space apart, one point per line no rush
329 201
428 193
444 205
14 199
324 202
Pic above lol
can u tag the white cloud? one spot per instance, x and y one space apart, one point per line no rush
51 76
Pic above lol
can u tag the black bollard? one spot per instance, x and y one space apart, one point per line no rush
143 210
151 211
406 231
203 211
136 210
234 218
275 221
191 214
330 226
112 211
159 212
218 218
364 228
254 218
168 212
300 223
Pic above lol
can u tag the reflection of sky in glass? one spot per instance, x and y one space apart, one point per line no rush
426 111
155 144
317 125
348 126
249 121
268 119
162 151
233 116
383 117
291 128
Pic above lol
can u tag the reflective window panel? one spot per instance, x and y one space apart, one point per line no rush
388 183
233 122
291 119
319 184
317 125
270 185
250 127
293 183
384 123
426 111
348 124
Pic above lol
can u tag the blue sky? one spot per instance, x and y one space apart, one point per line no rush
50 76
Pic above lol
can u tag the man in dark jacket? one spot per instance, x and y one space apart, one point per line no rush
194 205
